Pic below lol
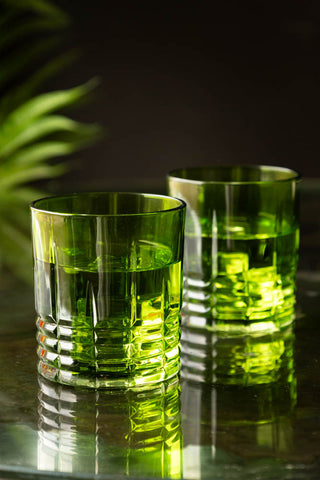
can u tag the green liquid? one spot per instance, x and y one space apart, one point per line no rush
241 276
110 322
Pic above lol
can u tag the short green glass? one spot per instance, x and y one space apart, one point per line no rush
241 245
108 289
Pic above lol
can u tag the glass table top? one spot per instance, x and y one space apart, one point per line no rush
260 422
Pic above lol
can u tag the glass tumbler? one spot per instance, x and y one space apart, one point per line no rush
241 246
108 289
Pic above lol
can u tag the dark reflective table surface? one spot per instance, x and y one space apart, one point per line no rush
244 408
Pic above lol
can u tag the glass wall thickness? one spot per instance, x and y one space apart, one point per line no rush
108 292
241 245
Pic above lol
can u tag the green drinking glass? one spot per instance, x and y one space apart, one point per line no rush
108 289
241 246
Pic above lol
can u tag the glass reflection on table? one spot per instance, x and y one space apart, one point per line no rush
238 398
98 432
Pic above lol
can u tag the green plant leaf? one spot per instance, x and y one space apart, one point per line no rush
49 102
13 137
40 152
12 207
25 28
23 92
16 250
13 65
40 7
10 179
23 195
6 16
31 133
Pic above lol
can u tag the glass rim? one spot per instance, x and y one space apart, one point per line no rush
180 204
292 175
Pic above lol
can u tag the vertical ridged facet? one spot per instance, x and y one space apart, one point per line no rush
137 342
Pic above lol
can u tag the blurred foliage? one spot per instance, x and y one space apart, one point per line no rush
34 134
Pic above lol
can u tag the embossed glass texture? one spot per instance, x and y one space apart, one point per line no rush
241 246
108 290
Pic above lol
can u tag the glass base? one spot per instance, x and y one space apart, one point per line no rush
269 324
236 359
143 381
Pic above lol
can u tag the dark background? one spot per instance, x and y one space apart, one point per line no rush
185 85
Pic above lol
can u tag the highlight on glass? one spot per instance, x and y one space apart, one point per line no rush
108 288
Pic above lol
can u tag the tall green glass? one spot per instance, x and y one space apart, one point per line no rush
108 289
241 245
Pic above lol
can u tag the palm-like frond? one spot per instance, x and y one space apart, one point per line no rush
38 7
17 95
33 132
